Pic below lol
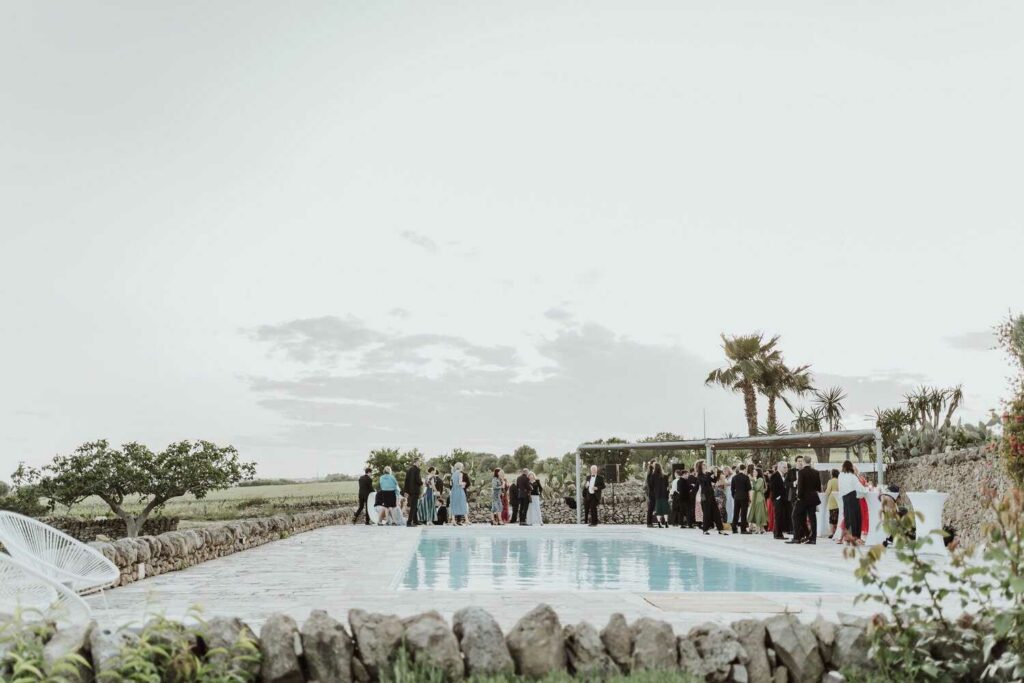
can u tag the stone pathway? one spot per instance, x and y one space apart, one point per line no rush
337 568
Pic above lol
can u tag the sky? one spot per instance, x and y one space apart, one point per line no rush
313 229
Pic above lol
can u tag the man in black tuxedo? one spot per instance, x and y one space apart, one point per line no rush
525 490
741 488
365 489
592 488
649 492
805 516
513 503
413 488
780 500
791 491
688 491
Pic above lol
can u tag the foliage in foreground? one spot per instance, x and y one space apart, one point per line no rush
916 638
1011 338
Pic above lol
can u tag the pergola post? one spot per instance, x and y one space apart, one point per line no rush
879 465
709 454
579 491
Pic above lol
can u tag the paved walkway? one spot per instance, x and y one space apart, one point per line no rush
342 567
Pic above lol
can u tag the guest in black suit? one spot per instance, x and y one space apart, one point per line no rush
413 488
365 489
805 516
780 500
741 488
676 494
650 493
513 502
592 488
708 504
791 491
525 490
689 488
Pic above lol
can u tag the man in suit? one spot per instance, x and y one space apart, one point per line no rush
365 489
592 488
676 495
740 488
648 491
688 487
413 488
513 503
791 491
780 500
805 515
525 490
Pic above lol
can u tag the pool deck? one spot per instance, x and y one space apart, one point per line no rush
338 568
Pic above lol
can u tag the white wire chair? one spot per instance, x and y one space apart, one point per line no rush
32 596
55 555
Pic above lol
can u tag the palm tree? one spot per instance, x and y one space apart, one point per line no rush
747 355
775 380
831 403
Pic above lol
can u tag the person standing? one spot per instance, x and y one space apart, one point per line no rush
524 488
649 493
414 488
513 502
496 497
388 497
832 501
850 491
659 489
536 490
791 491
676 498
459 503
427 506
365 489
504 499
730 502
709 507
758 515
592 491
808 486
780 500
740 488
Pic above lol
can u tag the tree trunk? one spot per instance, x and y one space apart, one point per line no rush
772 416
750 407
132 526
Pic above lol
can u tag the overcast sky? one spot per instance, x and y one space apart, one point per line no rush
310 229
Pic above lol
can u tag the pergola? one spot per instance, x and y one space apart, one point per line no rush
837 439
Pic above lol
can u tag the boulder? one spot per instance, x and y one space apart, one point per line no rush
277 645
327 648
851 643
378 638
431 643
482 642
751 635
654 646
796 647
719 651
226 639
617 637
536 643
781 675
105 646
587 658
68 641
825 632
690 661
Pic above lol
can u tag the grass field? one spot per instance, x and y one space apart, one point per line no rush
240 502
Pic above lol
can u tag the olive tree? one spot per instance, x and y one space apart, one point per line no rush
136 474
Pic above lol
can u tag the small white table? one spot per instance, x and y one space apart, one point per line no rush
929 503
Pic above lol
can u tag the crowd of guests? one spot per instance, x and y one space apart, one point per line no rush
425 499
782 501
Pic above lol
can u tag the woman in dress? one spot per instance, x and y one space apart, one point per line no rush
659 489
832 502
387 497
496 485
758 511
459 504
711 513
720 488
504 499
533 516
426 509
730 505
850 491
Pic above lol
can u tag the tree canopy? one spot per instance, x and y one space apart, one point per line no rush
134 471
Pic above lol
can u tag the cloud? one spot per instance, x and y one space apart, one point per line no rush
419 239
316 339
398 313
973 341
558 314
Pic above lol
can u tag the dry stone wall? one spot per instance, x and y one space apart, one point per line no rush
780 649
138 558
87 530
965 475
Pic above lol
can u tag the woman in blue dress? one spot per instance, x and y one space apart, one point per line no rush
387 497
427 506
459 504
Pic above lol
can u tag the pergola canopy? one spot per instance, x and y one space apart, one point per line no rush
841 439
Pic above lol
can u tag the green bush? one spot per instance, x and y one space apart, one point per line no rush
25 501
916 638
21 654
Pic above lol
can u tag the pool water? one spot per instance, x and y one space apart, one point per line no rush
536 563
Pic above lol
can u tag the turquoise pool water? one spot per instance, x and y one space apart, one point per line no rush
535 563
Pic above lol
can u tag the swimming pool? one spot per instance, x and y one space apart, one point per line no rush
539 560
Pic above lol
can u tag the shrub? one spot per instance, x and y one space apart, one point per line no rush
25 501
916 639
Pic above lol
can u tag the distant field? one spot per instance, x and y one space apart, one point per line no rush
244 501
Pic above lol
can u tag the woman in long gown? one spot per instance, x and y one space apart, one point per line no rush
504 499
758 510
659 489
426 509
496 496
730 505
459 504
711 514
533 516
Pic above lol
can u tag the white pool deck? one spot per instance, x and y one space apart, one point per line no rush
338 568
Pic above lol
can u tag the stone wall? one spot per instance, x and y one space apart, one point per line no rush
778 649
87 530
965 475
145 556
622 503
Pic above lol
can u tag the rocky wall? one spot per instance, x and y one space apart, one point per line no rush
87 530
779 649
138 558
965 475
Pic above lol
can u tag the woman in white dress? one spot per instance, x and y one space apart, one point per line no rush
729 502
533 516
